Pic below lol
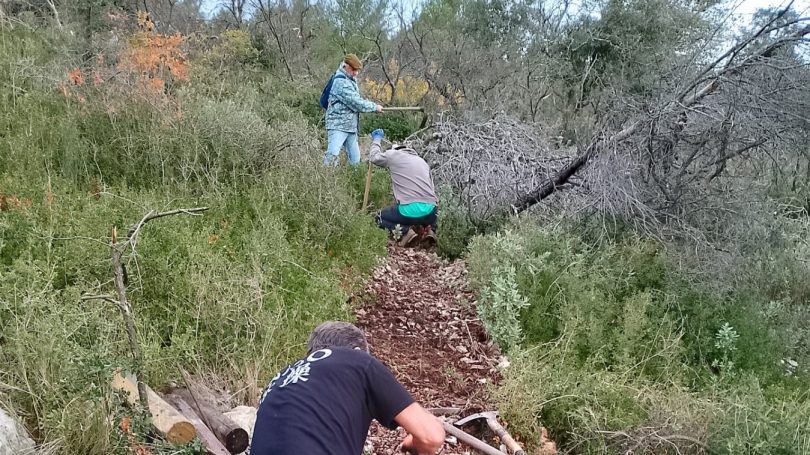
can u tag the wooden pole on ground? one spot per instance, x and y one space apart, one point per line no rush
234 437
209 439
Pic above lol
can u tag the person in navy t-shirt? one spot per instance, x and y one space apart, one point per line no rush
324 403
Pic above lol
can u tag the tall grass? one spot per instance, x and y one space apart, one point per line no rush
230 295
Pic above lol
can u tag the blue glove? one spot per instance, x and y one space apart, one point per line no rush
377 134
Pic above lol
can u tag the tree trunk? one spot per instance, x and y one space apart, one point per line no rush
212 444
234 437
694 93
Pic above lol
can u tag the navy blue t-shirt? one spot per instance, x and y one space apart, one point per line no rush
324 404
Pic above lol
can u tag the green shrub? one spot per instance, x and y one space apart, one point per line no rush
759 420
397 125
591 410
230 294
454 228
612 331
499 307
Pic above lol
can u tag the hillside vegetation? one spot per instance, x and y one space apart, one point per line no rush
628 183
231 294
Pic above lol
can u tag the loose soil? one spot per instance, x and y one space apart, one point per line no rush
421 322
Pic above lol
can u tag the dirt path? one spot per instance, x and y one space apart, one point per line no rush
420 322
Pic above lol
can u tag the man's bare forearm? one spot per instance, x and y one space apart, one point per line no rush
426 432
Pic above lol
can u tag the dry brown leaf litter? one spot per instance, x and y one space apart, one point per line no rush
421 322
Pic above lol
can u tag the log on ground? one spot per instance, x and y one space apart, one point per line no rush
173 425
234 437
212 445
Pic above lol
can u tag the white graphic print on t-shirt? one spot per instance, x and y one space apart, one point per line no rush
299 371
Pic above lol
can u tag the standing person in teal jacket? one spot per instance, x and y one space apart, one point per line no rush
345 105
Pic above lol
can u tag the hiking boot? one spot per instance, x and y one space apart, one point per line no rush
407 238
428 238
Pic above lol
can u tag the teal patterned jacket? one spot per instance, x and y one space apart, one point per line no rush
345 103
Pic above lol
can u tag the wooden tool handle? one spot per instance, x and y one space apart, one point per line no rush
368 187
471 440
403 109
507 439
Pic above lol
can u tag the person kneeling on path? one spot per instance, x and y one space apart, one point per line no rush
417 204
323 404
342 112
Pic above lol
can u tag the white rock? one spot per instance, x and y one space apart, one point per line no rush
14 439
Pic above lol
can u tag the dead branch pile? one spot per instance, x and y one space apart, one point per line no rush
488 164
699 155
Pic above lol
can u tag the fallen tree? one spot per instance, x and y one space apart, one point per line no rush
666 161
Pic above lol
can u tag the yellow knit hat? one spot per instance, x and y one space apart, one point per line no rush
353 61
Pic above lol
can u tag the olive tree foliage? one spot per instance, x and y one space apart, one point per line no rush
89 13
87 18
356 21
712 141
550 60
685 136
469 49
307 38
288 28
236 8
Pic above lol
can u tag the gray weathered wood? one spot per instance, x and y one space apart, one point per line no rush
212 445
234 437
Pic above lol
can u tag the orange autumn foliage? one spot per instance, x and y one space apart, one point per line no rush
76 77
154 58
134 447
11 202
408 90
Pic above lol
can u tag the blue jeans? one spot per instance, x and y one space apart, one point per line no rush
337 139
389 218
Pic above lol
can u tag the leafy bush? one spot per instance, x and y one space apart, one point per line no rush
612 331
455 229
397 125
592 410
759 420
499 307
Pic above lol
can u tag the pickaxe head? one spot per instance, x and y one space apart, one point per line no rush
486 415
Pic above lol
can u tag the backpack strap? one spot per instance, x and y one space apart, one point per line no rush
337 75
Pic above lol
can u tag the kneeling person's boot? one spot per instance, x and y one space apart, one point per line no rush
407 238
428 237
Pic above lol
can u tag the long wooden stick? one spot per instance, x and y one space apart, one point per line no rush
403 109
368 187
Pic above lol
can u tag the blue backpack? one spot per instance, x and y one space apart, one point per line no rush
328 89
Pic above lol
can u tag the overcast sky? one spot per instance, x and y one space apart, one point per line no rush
745 9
